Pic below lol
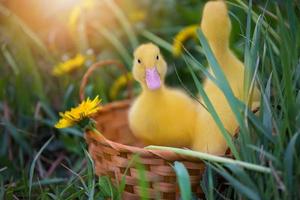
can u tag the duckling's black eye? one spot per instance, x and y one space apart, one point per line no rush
139 61
157 57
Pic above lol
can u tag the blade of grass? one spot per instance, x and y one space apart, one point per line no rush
2 190
251 56
288 64
106 187
90 175
76 195
242 188
207 183
68 96
289 160
197 65
214 114
10 59
255 17
82 41
71 183
260 127
44 182
247 56
51 195
116 43
157 40
223 83
18 137
264 153
186 89
266 111
24 57
48 110
32 166
183 180
241 175
213 158
36 40
121 185
124 22
142 181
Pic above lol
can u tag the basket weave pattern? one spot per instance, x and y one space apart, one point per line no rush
114 159
113 151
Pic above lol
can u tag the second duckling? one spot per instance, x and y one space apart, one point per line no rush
216 26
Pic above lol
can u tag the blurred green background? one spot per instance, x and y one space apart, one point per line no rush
36 36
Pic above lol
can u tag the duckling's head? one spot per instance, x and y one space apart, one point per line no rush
215 23
149 67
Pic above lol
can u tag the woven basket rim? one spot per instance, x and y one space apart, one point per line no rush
165 154
112 158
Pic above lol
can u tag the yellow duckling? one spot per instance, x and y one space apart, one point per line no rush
160 115
216 26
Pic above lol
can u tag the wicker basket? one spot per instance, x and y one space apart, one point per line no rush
113 153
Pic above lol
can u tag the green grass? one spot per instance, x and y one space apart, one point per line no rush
40 162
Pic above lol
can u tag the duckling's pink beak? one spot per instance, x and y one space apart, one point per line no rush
152 78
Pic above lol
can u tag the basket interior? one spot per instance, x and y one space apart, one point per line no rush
113 159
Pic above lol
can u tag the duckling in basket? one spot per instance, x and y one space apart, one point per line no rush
216 26
160 115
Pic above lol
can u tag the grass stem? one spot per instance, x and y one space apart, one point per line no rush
213 158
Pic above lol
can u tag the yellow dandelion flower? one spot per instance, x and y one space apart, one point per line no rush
182 36
118 84
78 114
69 65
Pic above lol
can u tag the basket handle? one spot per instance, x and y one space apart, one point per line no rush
99 65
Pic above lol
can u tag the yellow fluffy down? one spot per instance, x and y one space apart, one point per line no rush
163 116
216 26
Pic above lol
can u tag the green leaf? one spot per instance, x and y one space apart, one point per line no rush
205 184
90 175
242 176
2 189
117 11
222 80
258 125
214 114
157 40
264 153
239 186
183 180
10 59
266 112
117 43
31 34
213 158
18 137
289 160
106 187
142 179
